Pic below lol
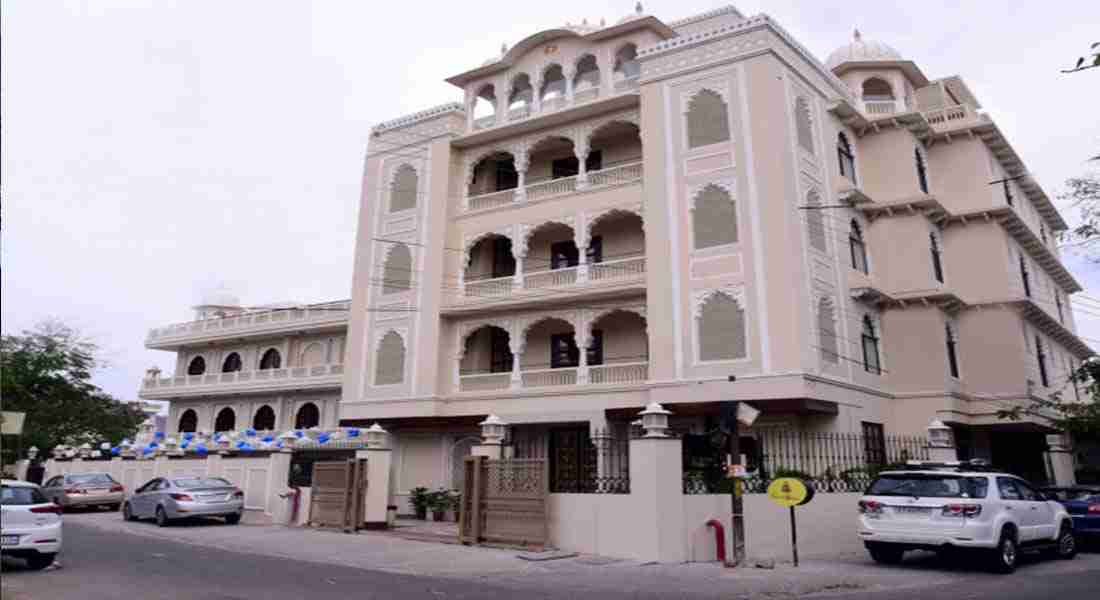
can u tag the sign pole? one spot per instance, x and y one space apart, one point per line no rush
737 503
794 538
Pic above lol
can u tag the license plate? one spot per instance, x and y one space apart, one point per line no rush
9 540
913 510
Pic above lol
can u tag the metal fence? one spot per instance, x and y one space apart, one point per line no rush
578 463
832 462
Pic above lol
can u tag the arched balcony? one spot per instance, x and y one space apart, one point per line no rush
552 167
520 98
614 155
550 354
490 267
586 81
484 108
618 348
493 181
552 93
627 68
486 361
550 256
878 97
616 246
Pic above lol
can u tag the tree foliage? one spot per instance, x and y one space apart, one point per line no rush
1087 62
1083 193
46 373
1073 412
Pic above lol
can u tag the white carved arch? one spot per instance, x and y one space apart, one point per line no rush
564 133
726 184
514 75
469 242
476 156
465 330
734 292
590 220
632 117
599 313
525 231
721 90
379 335
523 326
543 68
391 176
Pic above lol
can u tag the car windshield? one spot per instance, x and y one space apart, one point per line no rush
201 482
87 478
21 496
929 486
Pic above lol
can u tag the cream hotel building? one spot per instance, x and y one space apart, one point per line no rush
637 210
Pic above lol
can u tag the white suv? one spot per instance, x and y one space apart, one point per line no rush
31 524
949 506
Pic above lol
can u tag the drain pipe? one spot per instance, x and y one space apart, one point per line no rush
719 540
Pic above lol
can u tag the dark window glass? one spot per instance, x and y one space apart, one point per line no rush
232 363
870 348
564 167
594 162
1042 358
201 482
1027 492
922 171
595 250
1008 192
1007 487
21 496
874 443
264 419
920 485
595 348
504 264
91 478
564 351
188 421
564 255
937 267
507 177
845 159
308 416
500 353
858 248
226 421
271 359
197 366
952 357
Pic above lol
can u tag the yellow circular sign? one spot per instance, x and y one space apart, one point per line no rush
788 491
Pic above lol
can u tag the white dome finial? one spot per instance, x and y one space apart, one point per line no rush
638 8
856 35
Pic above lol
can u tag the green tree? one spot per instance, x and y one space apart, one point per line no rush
1083 193
1076 412
46 373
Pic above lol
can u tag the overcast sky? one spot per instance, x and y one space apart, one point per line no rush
152 150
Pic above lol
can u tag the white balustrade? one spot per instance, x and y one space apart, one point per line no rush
625 268
952 115
189 381
548 279
586 95
551 187
618 174
878 107
477 382
549 377
492 199
521 112
320 312
619 373
485 122
488 288
552 104
626 85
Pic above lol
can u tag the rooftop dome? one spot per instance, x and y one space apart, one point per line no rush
861 50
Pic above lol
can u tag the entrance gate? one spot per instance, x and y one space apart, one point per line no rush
504 502
339 491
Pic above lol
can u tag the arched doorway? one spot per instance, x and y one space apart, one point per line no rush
226 421
189 421
264 420
308 416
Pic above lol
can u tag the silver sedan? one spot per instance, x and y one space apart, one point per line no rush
84 489
166 499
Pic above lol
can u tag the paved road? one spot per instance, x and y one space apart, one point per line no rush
109 564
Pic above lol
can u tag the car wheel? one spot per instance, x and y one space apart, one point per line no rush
1005 555
128 513
233 519
162 518
1067 542
886 554
40 561
113 507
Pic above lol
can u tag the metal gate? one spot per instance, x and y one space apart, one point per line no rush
339 491
504 502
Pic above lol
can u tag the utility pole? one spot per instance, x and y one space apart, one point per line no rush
728 412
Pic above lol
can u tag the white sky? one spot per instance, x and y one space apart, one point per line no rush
152 150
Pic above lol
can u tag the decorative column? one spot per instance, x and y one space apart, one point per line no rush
568 75
516 346
601 439
582 336
941 443
378 458
492 437
1059 458
522 160
519 250
580 238
580 150
501 116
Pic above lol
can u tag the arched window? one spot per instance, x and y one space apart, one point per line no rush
707 119
937 265
871 362
922 171
722 330
815 222
626 63
189 421
553 87
1042 358
485 107
197 366
522 94
845 159
858 248
804 124
588 75
403 192
952 351
226 421
397 270
308 416
714 218
264 420
271 359
877 90
826 332
314 354
390 360
231 363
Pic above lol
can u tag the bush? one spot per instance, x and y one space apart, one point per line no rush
420 500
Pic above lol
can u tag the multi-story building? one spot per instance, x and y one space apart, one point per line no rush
268 368
687 212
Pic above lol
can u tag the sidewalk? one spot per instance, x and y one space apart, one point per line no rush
379 551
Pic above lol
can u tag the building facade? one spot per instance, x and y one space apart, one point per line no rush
687 212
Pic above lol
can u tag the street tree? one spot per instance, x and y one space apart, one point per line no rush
1076 412
46 373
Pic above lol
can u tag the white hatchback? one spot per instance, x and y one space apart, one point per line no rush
31 526
954 507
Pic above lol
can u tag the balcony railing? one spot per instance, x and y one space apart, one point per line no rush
626 85
952 116
483 382
880 107
617 269
619 174
485 122
549 279
551 187
492 199
488 288
253 320
586 95
183 382
619 373
549 377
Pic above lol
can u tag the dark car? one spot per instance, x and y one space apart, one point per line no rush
1082 502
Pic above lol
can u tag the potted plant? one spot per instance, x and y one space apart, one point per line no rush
439 502
420 499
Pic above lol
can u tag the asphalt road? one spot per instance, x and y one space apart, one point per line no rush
99 564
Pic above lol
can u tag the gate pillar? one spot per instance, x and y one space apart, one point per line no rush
377 497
